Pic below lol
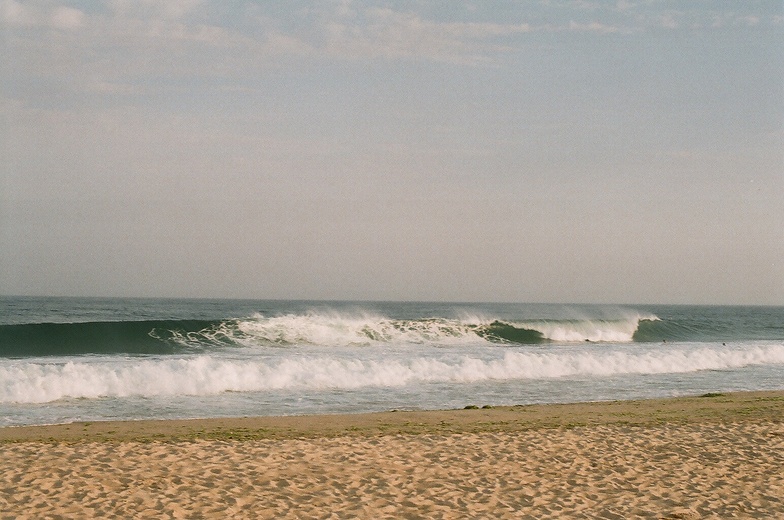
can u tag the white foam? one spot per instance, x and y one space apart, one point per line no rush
40 382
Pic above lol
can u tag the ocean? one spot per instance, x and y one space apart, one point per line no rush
92 359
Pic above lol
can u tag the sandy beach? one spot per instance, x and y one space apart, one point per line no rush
714 456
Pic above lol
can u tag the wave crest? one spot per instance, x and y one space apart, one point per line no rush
342 330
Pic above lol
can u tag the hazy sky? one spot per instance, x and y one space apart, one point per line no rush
548 151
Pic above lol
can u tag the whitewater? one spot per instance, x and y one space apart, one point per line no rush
69 359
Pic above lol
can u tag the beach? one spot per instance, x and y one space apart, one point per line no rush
710 456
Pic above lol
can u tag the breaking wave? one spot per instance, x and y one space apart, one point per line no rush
322 329
39 382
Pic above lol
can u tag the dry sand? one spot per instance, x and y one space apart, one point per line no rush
702 457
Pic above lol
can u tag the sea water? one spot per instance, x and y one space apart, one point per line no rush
87 359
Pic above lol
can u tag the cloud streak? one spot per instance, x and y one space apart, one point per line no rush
388 34
342 31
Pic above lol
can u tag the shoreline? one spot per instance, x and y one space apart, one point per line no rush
711 407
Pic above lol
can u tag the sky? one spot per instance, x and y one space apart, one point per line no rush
625 151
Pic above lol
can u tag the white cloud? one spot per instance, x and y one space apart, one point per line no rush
592 27
167 9
383 32
109 87
14 14
37 14
276 42
585 4
67 18
668 20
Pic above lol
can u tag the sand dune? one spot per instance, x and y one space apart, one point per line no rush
719 457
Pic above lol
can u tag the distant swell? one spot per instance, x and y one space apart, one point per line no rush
129 337
28 382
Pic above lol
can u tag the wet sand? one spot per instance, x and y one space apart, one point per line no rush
717 456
